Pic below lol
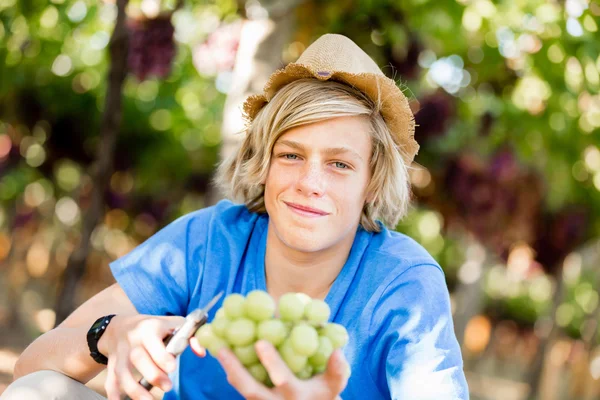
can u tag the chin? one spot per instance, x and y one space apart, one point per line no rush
305 241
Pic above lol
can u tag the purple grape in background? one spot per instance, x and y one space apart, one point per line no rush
434 114
151 47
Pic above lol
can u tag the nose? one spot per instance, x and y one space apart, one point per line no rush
312 180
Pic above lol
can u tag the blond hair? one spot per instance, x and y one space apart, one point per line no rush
307 101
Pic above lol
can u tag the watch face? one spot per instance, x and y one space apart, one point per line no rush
98 324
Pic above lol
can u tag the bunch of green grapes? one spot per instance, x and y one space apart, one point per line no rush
301 334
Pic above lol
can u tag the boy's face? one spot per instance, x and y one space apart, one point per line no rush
316 185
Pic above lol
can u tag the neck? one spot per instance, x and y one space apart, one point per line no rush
290 270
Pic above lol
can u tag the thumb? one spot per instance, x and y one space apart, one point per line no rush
337 372
196 347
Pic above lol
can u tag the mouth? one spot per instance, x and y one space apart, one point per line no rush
306 211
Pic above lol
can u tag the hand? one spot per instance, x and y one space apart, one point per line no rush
136 343
326 386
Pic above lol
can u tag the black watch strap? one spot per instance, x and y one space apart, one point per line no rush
94 335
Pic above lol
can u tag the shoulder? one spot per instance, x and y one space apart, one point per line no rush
407 280
223 211
190 233
419 289
412 296
410 322
395 254
396 245
225 216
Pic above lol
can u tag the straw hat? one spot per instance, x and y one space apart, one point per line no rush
336 57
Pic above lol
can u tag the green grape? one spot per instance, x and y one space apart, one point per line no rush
288 326
246 354
259 373
304 339
234 306
207 339
205 335
323 353
273 331
317 312
319 369
259 305
269 382
293 360
304 298
291 307
220 313
220 323
241 332
306 372
217 345
336 333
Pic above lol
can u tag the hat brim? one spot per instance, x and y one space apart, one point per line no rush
394 105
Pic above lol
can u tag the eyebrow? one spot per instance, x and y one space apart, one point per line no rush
328 151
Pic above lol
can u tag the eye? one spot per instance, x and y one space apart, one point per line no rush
290 156
341 165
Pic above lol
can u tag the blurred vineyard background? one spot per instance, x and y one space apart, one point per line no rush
99 148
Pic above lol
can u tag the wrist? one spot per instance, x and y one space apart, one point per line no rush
95 335
106 341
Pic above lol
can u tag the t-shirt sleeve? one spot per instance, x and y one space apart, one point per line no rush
414 334
158 274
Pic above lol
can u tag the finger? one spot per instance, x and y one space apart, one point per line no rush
173 322
111 384
196 348
281 376
336 375
132 387
126 380
160 326
143 362
241 379
155 347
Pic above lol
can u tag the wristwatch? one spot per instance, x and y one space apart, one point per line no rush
94 335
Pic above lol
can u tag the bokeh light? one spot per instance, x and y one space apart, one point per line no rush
63 65
477 333
68 174
38 258
67 211
161 120
45 319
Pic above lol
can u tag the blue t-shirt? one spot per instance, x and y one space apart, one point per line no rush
390 295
